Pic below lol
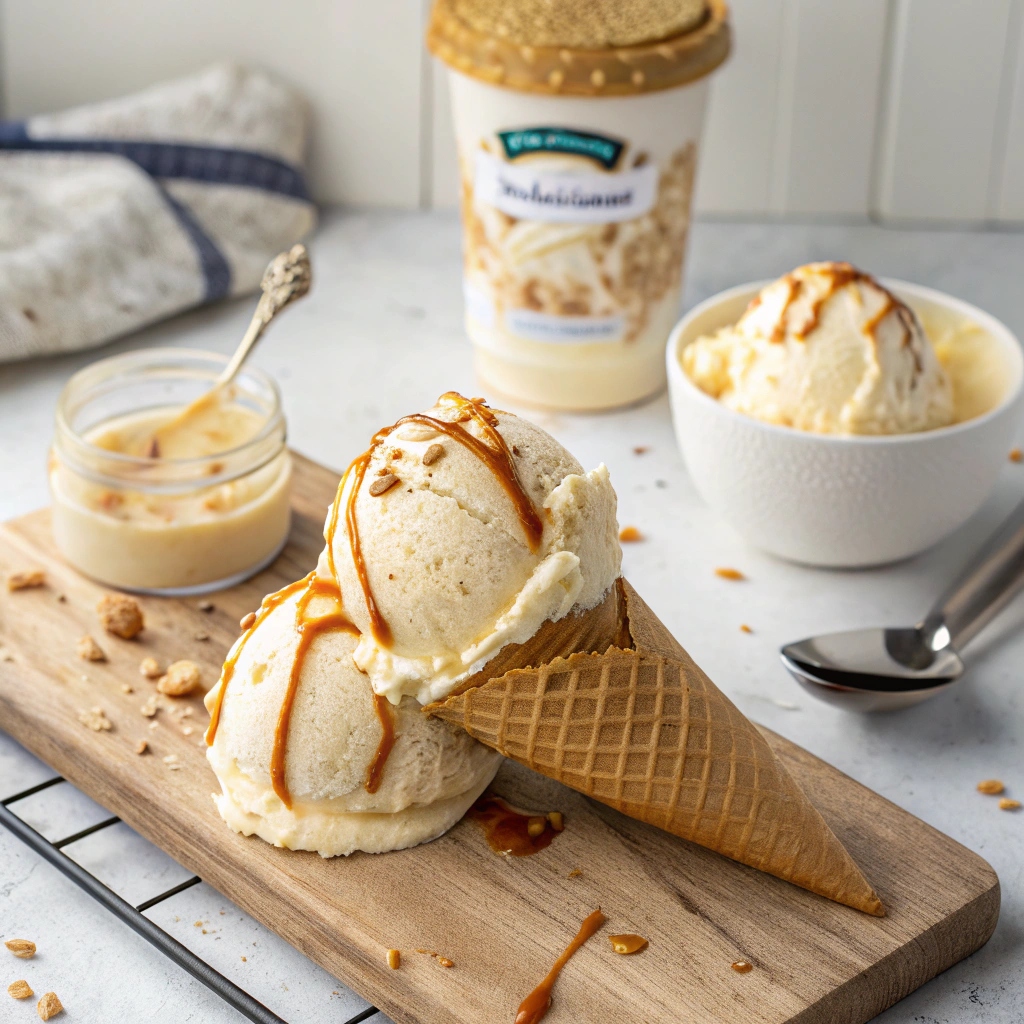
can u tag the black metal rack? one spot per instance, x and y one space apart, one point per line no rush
52 852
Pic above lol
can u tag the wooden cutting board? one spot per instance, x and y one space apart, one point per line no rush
501 920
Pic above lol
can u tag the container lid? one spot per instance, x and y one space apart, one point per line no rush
581 47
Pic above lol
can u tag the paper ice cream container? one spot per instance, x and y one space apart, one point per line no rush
577 166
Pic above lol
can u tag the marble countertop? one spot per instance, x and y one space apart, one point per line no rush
380 336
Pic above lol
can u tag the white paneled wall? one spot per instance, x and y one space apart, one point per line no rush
899 109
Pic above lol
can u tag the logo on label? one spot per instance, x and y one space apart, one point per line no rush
598 148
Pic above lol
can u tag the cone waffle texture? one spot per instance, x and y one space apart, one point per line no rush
646 732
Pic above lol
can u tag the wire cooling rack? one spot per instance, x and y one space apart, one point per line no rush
133 916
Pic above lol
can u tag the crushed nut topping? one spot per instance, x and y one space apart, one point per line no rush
729 574
26 579
575 873
382 484
151 707
991 787
557 821
205 606
246 621
1016 455
20 990
181 678
742 967
88 650
445 962
150 668
1006 804
394 959
49 1006
120 615
629 534
125 688
744 628
201 636
641 449
535 827
95 719
142 747
432 454
24 949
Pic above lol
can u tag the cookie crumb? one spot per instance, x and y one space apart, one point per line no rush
630 534
205 606
95 719
150 668
49 1006
726 573
23 949
575 873
26 579
88 650
142 747
394 959
991 787
1006 804
120 615
20 990
181 678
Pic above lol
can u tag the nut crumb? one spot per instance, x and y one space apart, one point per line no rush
181 678
394 959
246 621
49 1006
205 606
62 598
630 534
88 650
126 688
1016 455
432 454
26 579
382 484
154 724
641 449
245 959
744 628
991 787
120 615
95 719
445 962
729 574
5 654
1006 804
557 820
187 730
742 967
200 636
575 873
142 747
20 990
535 827
151 707
150 668
23 949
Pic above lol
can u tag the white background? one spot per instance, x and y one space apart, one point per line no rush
902 110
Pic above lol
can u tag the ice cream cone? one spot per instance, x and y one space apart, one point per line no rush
645 731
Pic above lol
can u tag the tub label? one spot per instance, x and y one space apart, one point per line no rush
598 148
528 192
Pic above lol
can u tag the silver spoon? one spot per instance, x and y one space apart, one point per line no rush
889 669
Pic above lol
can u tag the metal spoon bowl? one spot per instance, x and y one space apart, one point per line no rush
890 669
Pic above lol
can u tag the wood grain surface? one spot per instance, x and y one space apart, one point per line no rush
501 920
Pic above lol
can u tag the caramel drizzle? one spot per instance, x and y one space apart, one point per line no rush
309 630
375 772
269 603
538 1002
494 453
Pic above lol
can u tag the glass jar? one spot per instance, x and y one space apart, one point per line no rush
168 525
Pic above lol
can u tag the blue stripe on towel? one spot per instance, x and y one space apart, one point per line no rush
214 165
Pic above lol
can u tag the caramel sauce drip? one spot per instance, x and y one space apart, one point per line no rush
493 452
628 943
534 1007
270 602
309 630
508 830
375 772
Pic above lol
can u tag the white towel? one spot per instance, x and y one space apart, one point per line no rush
119 214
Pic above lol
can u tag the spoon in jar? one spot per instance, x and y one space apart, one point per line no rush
288 277
889 669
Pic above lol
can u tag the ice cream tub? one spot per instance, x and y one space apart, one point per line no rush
577 134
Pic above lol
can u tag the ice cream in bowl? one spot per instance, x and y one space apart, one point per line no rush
839 420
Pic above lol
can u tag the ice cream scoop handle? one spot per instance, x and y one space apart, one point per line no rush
989 582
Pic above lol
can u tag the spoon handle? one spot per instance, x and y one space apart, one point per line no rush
983 589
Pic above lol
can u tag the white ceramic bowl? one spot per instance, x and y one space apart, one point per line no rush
840 501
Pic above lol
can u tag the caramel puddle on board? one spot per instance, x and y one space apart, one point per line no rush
510 832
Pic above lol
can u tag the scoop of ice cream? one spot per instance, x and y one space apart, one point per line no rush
826 349
446 557
432 774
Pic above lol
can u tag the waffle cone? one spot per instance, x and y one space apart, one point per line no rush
642 729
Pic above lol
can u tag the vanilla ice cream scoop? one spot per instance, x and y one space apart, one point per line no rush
826 349
306 756
462 531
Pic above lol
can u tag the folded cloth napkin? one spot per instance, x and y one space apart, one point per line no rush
119 214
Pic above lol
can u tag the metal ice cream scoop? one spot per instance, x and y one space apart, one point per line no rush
888 669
